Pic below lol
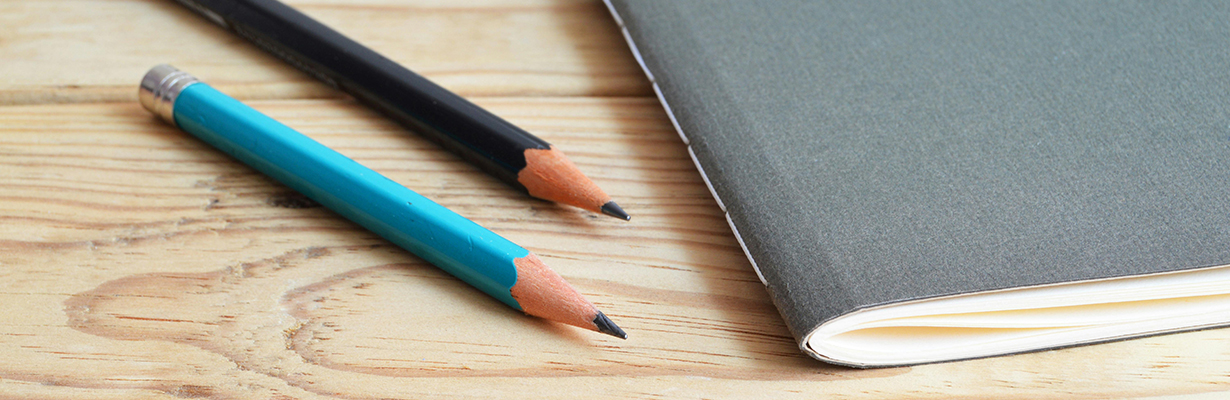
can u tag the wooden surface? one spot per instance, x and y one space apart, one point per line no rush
139 263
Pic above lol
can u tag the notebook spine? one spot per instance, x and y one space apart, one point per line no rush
675 122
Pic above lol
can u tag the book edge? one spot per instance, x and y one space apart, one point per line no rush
806 340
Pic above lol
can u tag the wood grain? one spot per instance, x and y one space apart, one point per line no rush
137 262
59 51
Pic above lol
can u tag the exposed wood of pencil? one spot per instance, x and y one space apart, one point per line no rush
550 175
543 293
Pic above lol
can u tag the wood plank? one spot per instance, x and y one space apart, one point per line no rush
138 262
61 51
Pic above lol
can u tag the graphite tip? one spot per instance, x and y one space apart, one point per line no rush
612 209
606 326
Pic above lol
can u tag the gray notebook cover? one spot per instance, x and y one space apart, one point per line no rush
873 152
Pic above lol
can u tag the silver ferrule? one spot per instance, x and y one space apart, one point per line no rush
159 88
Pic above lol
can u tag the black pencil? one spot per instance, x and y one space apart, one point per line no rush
495 145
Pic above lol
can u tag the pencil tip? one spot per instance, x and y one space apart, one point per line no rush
605 325
549 175
612 209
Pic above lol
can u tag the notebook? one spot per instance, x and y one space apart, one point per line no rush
919 182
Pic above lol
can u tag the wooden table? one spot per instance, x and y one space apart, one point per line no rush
139 263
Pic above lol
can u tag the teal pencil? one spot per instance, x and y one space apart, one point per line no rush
457 245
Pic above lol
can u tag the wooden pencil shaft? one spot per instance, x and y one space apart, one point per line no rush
480 137
452 242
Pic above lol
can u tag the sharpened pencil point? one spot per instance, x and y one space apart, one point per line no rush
612 209
605 325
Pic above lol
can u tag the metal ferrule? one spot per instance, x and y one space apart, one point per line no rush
159 88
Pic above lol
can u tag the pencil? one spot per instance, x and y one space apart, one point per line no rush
457 245
493 144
